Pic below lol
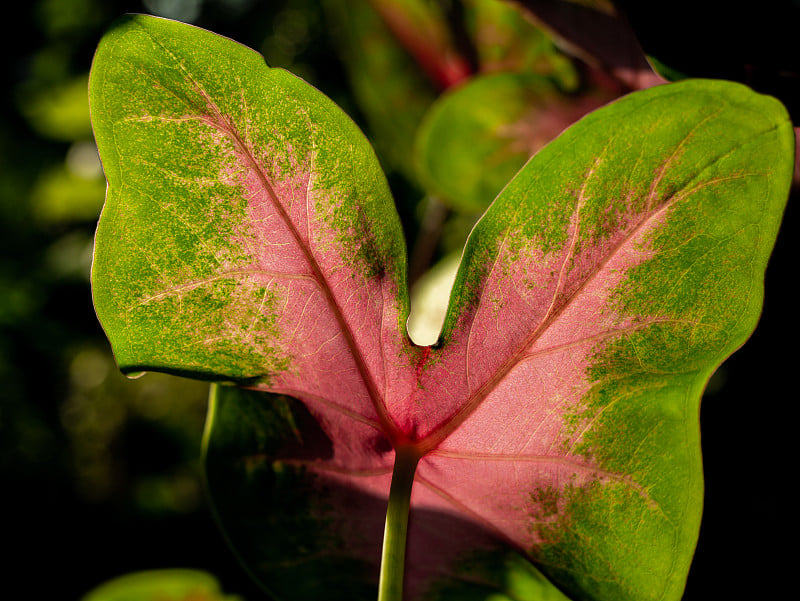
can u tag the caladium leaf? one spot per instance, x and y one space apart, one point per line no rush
248 236
245 211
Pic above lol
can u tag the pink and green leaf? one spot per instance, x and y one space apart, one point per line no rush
254 233
596 296
423 30
249 237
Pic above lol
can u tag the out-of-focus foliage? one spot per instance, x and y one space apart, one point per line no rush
429 301
161 585
476 137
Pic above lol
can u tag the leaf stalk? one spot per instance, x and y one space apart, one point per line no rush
390 585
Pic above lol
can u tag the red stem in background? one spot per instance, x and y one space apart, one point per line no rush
434 53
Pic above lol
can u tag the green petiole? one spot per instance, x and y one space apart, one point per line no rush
393 555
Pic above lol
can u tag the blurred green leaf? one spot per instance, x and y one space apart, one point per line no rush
161 585
281 526
476 137
470 143
63 17
429 298
59 111
506 40
60 195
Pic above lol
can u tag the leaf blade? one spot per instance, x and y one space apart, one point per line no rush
265 203
630 316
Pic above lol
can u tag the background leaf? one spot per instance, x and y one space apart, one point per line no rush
429 301
507 40
476 137
598 33
285 524
161 585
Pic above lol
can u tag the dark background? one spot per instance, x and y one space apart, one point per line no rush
99 475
